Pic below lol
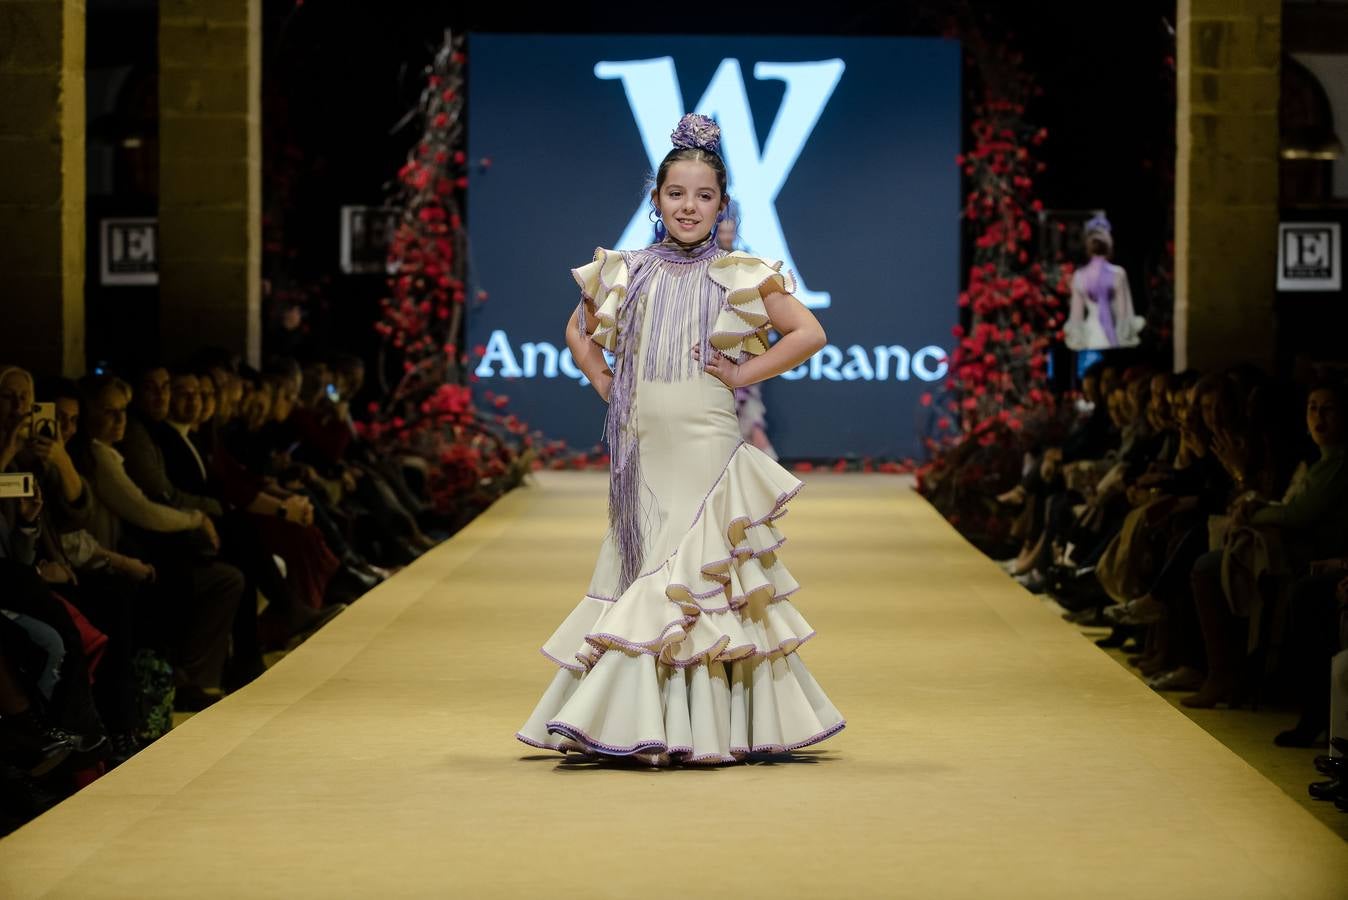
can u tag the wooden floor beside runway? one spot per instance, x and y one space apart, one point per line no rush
990 751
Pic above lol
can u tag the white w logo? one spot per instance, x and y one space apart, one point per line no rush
652 87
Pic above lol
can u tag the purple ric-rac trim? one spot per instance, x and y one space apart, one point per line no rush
714 652
781 500
751 553
652 646
584 291
580 737
734 602
708 759
738 554
572 666
602 641
742 653
696 595
771 516
533 743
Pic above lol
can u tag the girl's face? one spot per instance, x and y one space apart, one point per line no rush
689 200
1324 419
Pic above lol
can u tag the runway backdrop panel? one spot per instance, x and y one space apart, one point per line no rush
841 156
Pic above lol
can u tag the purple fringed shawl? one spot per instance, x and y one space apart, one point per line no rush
1100 285
668 358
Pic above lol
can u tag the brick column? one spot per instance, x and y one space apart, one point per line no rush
1226 181
210 175
42 184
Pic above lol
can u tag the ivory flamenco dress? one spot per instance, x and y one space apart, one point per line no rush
685 642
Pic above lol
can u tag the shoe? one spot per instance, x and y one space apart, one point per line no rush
1340 744
81 743
1181 679
33 747
1333 766
1209 696
1090 618
1117 638
1142 611
1299 737
1031 581
1328 790
656 759
1151 666
362 577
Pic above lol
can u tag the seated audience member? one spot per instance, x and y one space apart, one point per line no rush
200 593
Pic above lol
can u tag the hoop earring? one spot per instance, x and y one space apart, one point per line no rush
659 222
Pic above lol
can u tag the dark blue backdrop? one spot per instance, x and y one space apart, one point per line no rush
856 137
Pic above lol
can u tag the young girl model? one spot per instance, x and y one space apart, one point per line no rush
684 647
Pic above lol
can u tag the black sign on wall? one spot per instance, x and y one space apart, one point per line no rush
129 251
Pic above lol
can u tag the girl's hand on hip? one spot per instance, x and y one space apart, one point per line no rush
721 366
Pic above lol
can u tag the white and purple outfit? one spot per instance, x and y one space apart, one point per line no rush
1101 316
685 642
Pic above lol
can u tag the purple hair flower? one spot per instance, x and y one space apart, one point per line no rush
697 132
1098 224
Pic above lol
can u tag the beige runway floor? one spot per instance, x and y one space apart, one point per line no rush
990 750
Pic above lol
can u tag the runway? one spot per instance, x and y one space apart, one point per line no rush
990 751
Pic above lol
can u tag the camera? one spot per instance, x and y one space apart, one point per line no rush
44 422
16 484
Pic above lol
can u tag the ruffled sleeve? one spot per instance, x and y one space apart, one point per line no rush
742 325
603 282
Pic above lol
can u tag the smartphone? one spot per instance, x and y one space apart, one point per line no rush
16 484
44 421
333 394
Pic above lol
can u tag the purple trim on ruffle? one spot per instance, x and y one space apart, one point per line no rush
759 554
696 595
656 647
776 513
581 737
725 656
533 743
602 641
575 734
601 599
737 553
733 603
572 667
737 603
